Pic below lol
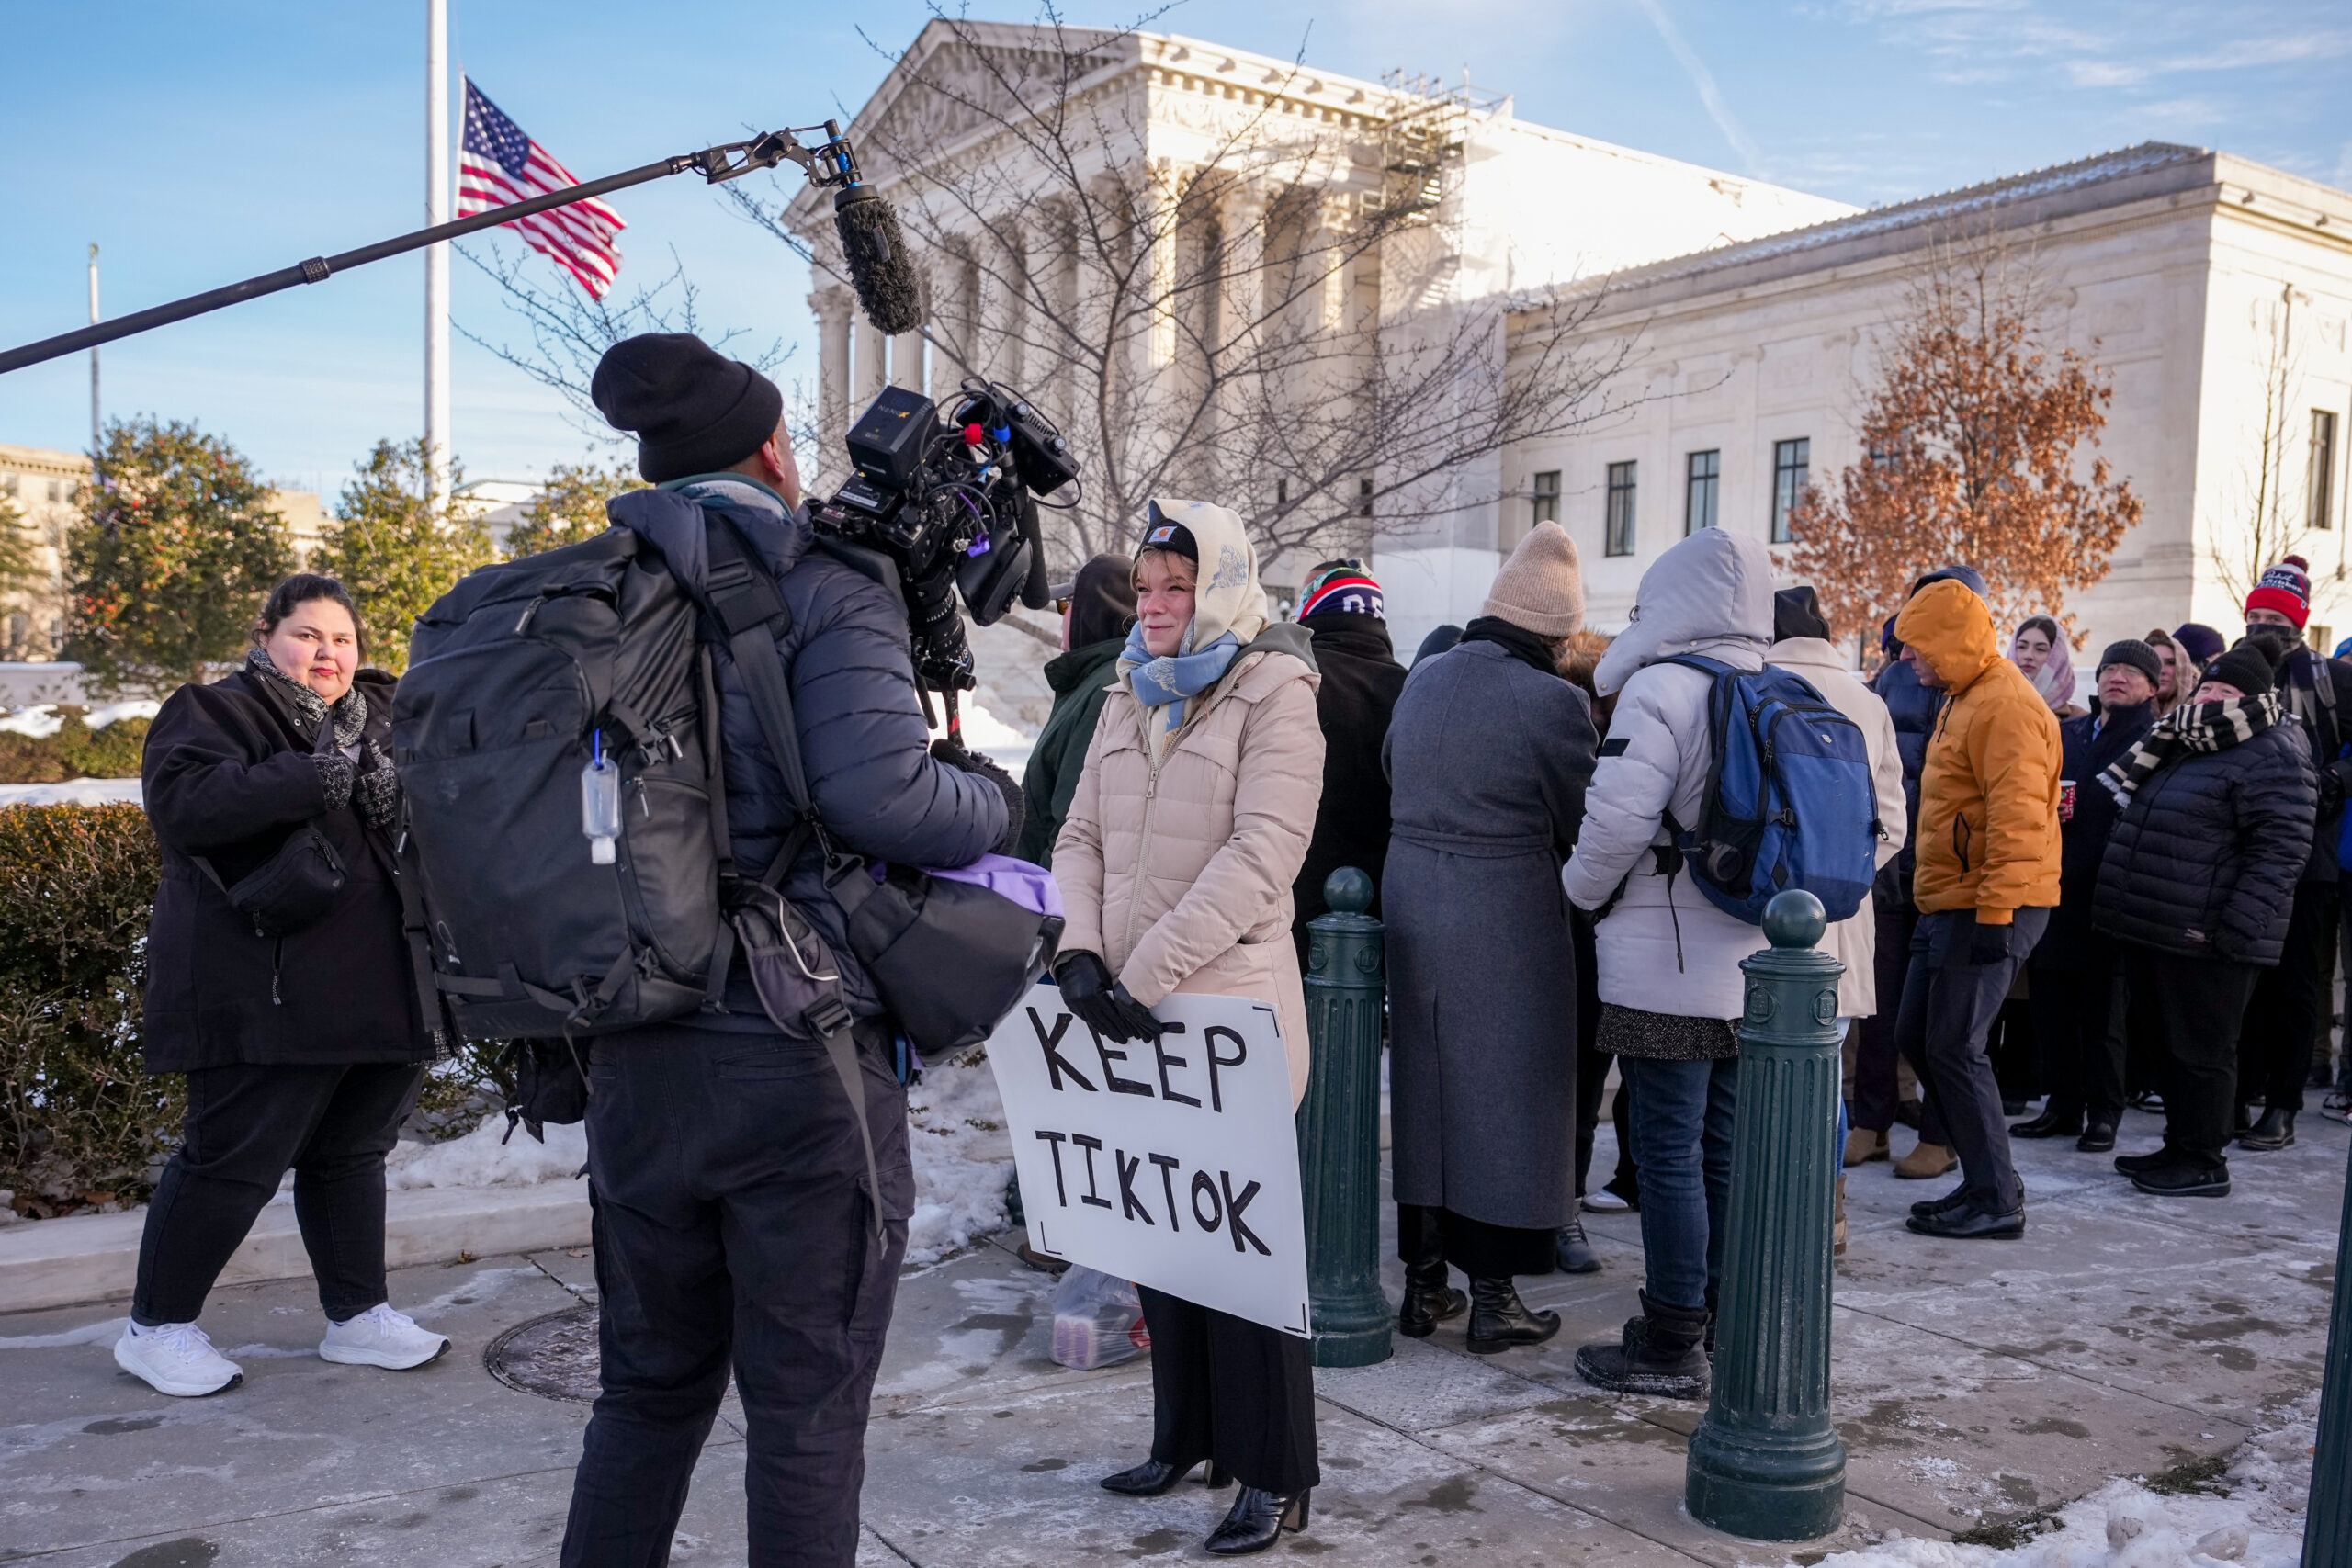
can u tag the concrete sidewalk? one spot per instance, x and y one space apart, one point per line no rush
2123 1336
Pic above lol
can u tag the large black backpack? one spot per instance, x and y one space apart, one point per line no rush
516 676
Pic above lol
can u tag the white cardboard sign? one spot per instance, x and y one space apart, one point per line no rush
1173 1165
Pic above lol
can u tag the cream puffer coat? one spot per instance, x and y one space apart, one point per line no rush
1180 874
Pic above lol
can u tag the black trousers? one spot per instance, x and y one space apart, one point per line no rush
246 1127
1479 1250
2196 1004
2077 1027
734 1229
2275 1046
1226 1388
1949 1005
1877 1084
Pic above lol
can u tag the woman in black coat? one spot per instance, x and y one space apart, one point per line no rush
295 1015
2077 982
2198 878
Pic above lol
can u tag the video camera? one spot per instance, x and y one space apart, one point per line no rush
952 503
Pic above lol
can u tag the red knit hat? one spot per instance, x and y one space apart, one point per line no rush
2285 588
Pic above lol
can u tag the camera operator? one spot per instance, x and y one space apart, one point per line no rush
733 1220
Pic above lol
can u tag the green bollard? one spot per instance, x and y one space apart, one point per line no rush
2328 1522
1338 1127
1765 1462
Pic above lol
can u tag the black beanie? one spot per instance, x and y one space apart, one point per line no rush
2246 667
1102 601
693 410
2138 655
1796 612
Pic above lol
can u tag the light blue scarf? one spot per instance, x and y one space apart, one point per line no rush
1170 680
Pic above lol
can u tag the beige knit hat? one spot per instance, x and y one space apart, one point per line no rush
1541 588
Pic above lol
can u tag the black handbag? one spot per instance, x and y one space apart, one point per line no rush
294 888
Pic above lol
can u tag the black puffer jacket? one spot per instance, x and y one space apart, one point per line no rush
1913 707
227 774
2205 858
1361 682
862 735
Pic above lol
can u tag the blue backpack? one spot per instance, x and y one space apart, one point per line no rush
1789 802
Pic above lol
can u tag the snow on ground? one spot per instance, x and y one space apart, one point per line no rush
2258 1523
42 720
72 792
482 1159
1005 741
963 1157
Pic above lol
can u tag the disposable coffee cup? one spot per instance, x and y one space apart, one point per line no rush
2065 800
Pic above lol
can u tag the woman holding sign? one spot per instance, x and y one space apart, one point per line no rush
1191 821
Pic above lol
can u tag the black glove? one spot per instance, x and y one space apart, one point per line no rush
1988 944
1090 991
1016 804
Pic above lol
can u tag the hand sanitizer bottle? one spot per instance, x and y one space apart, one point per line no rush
600 804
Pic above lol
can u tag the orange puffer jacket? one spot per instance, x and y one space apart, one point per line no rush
1179 874
1988 792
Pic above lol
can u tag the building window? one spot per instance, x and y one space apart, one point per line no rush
2322 474
1363 497
1617 535
1282 495
56 491
1545 503
1699 495
8 483
1792 470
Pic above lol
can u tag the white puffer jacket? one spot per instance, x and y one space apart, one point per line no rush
1664 948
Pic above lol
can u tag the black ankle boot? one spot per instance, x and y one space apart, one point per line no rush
1661 1353
2275 1131
1575 1254
2055 1121
1257 1517
1429 1299
1151 1478
1498 1319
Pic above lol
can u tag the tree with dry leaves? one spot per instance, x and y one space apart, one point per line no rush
1977 434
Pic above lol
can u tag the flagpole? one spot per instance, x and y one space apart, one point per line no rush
94 425
436 257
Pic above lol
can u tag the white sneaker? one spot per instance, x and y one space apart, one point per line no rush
1600 1201
381 1338
175 1358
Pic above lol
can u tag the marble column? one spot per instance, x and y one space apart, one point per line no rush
833 307
869 365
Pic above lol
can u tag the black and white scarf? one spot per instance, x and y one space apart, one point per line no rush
370 782
2190 727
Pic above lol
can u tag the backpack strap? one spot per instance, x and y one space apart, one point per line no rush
751 614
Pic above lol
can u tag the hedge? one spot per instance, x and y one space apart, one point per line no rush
75 751
82 1123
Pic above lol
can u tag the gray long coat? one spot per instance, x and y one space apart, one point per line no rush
1487 758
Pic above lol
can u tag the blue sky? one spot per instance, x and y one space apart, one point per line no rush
198 143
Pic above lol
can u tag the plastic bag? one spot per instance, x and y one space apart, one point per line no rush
1097 1320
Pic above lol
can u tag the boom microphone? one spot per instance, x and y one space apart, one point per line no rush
874 250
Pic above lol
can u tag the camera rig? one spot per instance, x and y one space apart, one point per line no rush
952 503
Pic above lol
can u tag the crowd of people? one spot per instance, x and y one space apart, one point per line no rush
2124 898
2102 899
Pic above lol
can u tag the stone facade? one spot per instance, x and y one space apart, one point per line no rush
2177 268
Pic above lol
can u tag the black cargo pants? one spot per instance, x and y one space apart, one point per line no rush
734 1230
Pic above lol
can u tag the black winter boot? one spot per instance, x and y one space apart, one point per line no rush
1429 1299
1661 1353
2275 1131
1498 1319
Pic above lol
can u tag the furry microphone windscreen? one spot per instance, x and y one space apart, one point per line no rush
876 253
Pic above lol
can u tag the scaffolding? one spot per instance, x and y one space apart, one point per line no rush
1422 138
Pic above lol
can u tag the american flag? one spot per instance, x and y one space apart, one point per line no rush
498 165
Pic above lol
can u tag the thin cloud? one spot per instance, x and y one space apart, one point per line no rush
1705 81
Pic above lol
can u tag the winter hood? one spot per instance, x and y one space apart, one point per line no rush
1228 596
1952 629
1710 594
672 524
